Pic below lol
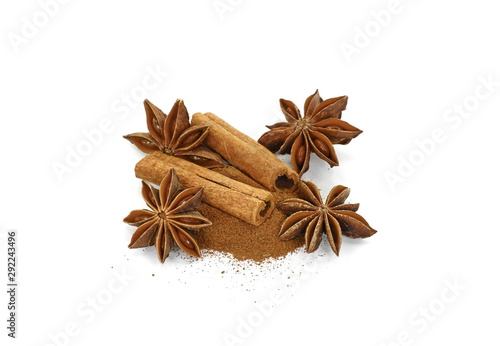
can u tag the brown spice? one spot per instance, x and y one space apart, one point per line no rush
246 154
316 132
332 217
171 219
241 239
173 135
250 204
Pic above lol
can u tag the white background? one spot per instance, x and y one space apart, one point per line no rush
70 72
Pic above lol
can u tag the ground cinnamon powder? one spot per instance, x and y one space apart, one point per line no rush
243 240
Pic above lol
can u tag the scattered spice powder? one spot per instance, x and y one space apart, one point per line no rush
241 239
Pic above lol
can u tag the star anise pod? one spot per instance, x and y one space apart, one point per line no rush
311 217
316 131
173 135
173 214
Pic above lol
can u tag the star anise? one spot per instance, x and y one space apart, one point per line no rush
173 135
316 131
310 216
173 214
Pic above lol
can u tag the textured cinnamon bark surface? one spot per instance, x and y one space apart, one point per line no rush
248 203
247 154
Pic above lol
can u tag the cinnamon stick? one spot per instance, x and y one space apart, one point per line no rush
247 154
243 201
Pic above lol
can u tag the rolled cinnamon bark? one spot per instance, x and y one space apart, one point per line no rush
243 201
247 154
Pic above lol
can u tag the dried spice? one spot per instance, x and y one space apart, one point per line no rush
317 131
244 241
248 203
173 214
237 201
247 155
311 217
173 135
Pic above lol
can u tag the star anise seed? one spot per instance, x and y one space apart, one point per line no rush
316 132
173 135
173 214
308 215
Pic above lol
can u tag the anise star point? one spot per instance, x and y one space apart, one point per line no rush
173 135
310 216
171 218
316 131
